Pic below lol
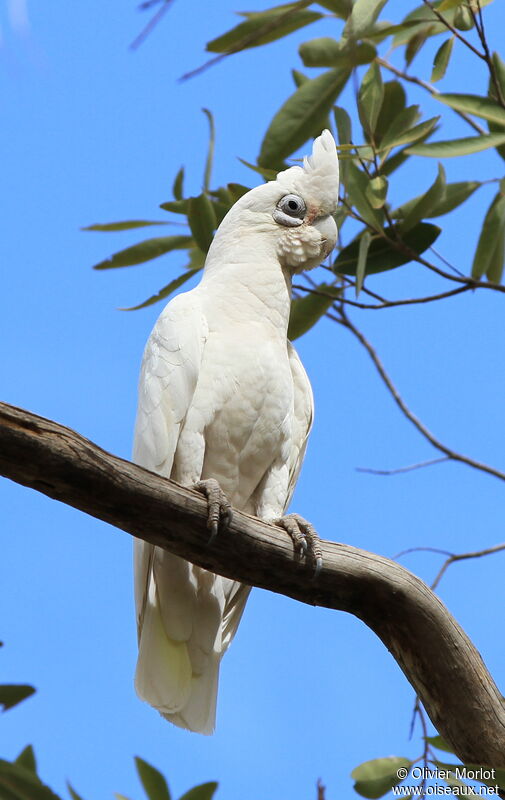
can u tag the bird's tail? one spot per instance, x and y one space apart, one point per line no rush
187 617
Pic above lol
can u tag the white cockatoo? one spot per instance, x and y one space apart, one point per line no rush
225 406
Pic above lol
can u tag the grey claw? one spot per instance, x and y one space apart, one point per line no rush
220 512
304 537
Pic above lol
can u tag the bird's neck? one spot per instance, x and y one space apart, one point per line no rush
246 282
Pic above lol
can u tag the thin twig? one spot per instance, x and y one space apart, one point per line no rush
388 303
418 712
447 263
399 470
423 549
429 88
463 557
344 320
454 30
249 40
153 22
479 27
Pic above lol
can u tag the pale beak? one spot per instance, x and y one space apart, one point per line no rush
327 227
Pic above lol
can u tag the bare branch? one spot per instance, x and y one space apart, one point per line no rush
463 557
387 303
451 558
437 657
399 470
344 320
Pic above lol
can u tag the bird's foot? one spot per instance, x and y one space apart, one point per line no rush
304 537
219 507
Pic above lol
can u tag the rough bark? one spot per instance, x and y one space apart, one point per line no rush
433 651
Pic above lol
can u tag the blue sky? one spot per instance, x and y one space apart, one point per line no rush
91 133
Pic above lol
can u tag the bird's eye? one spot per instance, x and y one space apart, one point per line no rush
290 210
293 205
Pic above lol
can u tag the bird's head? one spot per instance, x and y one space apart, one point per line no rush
293 213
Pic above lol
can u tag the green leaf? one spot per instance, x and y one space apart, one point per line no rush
210 150
196 258
12 694
383 255
454 195
263 27
205 791
343 123
370 97
382 30
145 251
457 147
375 778
489 252
499 71
483 107
124 226
19 783
362 19
356 187
202 220
463 19
364 244
423 16
441 60
327 52
466 790
439 742
393 104
401 122
426 203
494 271
344 133
342 8
237 190
26 759
415 43
167 290
73 794
178 187
307 310
301 116
176 206
445 5
376 191
155 785
395 136
268 174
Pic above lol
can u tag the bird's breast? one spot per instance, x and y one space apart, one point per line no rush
247 392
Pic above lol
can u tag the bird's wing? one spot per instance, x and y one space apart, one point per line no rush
168 378
303 417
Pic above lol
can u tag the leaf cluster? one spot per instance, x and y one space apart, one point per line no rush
19 779
376 778
389 131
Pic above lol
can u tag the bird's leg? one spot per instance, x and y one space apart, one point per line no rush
219 507
304 536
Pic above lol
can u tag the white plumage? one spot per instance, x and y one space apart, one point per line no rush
223 395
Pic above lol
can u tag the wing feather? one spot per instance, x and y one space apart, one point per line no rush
303 418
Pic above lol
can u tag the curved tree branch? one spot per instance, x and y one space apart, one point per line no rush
436 656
